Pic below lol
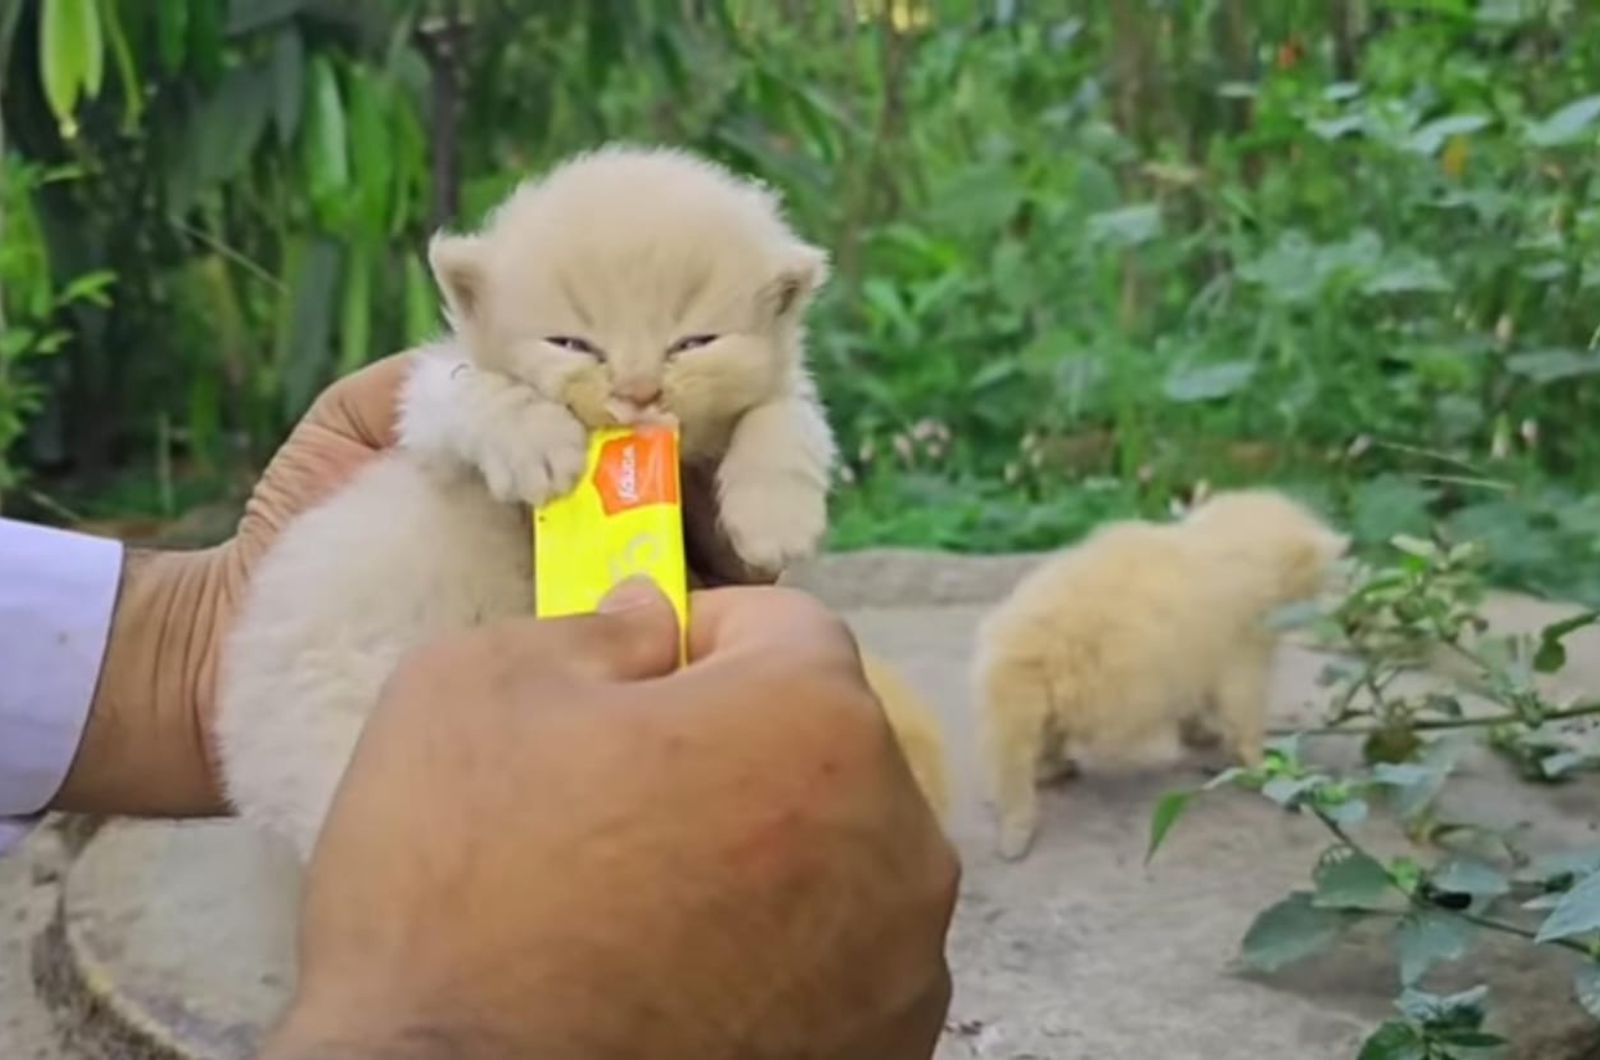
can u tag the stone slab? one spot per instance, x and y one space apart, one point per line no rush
30 877
176 937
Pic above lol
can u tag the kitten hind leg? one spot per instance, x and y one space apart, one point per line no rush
296 697
1016 711
1199 731
1057 762
1240 705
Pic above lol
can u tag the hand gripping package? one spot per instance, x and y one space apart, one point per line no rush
624 518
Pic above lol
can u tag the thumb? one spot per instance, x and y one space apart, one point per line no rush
633 635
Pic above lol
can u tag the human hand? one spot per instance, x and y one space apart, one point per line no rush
148 746
591 855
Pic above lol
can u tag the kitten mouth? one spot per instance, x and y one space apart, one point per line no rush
627 414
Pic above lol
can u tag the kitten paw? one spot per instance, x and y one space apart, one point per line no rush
1248 752
1016 838
774 520
535 456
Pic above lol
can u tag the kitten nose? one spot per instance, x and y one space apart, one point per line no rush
640 392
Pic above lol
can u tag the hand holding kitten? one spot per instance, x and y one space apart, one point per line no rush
149 746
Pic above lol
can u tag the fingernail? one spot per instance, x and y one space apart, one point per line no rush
638 591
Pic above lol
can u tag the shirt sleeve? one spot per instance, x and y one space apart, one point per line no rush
57 591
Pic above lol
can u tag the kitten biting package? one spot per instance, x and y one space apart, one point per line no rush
624 518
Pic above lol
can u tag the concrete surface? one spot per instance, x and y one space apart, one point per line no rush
174 939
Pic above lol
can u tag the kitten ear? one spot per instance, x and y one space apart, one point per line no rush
803 272
459 270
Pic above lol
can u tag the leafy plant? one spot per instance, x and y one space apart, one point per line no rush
1424 608
31 307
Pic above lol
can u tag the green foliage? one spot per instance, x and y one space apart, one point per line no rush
1421 606
1348 245
1292 930
31 306
1167 812
1433 1028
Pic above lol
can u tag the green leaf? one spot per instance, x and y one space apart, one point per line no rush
1577 914
71 57
1390 505
1586 986
1427 937
1285 791
1395 1040
172 32
1291 931
1414 546
1406 276
306 322
325 144
204 420
1552 366
91 287
1562 866
1334 128
1556 631
1347 812
1463 1011
410 167
1226 777
997 371
288 82
422 306
371 153
230 123
1469 876
355 315
10 16
1168 809
1550 657
1428 138
127 69
1415 785
1349 879
1566 125
1208 382
1469 1039
1128 227
205 45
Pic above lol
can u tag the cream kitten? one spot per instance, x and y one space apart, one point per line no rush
627 286
916 730
1122 640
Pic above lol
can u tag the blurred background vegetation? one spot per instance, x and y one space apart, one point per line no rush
1092 255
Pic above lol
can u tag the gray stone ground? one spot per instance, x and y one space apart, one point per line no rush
173 939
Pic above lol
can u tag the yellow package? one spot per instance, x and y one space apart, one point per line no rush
624 518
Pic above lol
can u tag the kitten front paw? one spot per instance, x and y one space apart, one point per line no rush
535 455
773 520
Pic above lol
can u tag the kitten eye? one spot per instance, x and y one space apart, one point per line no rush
691 342
575 344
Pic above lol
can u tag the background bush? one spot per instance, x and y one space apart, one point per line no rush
1090 253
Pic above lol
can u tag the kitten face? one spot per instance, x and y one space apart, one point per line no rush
633 286
1271 530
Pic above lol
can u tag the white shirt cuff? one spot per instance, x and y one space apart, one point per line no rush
57 592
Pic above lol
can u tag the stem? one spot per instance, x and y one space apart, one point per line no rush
1418 904
236 256
1587 710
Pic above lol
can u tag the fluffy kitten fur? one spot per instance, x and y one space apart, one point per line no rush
916 730
627 286
1138 632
